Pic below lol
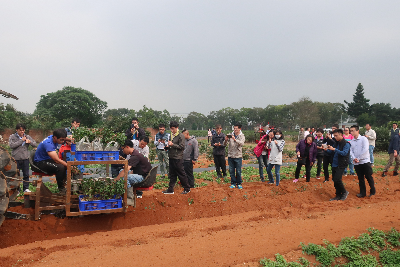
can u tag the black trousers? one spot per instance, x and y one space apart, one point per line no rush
319 164
337 180
176 171
51 167
23 165
308 170
365 171
188 167
327 161
220 164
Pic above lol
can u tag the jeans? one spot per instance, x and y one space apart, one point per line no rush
163 159
235 164
188 167
337 181
277 173
365 171
371 154
23 165
262 159
134 179
220 165
351 167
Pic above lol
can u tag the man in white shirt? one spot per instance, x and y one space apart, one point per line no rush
141 146
359 152
306 132
371 136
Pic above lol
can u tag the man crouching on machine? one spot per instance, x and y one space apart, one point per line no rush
47 160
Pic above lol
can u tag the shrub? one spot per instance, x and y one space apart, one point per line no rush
382 138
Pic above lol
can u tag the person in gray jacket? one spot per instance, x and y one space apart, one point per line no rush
235 141
190 156
19 143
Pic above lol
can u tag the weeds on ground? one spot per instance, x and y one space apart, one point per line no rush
351 251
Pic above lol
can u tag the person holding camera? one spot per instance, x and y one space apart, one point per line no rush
276 144
235 142
217 142
307 154
19 143
262 153
319 141
134 132
329 140
341 153
175 152
160 141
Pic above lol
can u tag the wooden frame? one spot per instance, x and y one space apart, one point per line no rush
68 195
45 200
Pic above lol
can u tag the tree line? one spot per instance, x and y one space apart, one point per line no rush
57 109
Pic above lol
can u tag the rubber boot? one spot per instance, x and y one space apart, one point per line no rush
130 197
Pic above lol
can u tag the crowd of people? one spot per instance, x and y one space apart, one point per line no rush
177 152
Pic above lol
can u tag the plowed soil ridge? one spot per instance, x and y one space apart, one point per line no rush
211 226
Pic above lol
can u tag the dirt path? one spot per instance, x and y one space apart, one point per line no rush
220 227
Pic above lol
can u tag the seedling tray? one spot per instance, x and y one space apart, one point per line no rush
96 155
109 204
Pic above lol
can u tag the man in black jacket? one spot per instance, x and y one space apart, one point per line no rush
319 140
341 153
393 151
330 141
176 146
217 142
134 132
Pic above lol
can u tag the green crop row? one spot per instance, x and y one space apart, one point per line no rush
351 251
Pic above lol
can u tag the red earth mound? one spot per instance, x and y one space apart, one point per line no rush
211 226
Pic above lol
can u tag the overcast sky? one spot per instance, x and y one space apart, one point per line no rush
200 56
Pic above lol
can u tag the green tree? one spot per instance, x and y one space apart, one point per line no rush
360 104
118 112
69 103
305 112
194 121
365 118
330 113
383 113
151 118
9 117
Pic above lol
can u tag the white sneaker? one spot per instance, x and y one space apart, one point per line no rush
27 191
138 196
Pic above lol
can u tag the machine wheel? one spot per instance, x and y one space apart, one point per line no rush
8 167
3 197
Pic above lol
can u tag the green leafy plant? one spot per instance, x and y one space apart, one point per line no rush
102 189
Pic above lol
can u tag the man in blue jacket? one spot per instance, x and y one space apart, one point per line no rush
340 152
393 151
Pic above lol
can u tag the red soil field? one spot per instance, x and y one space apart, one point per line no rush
211 226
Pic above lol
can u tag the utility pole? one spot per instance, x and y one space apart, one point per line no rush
341 120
